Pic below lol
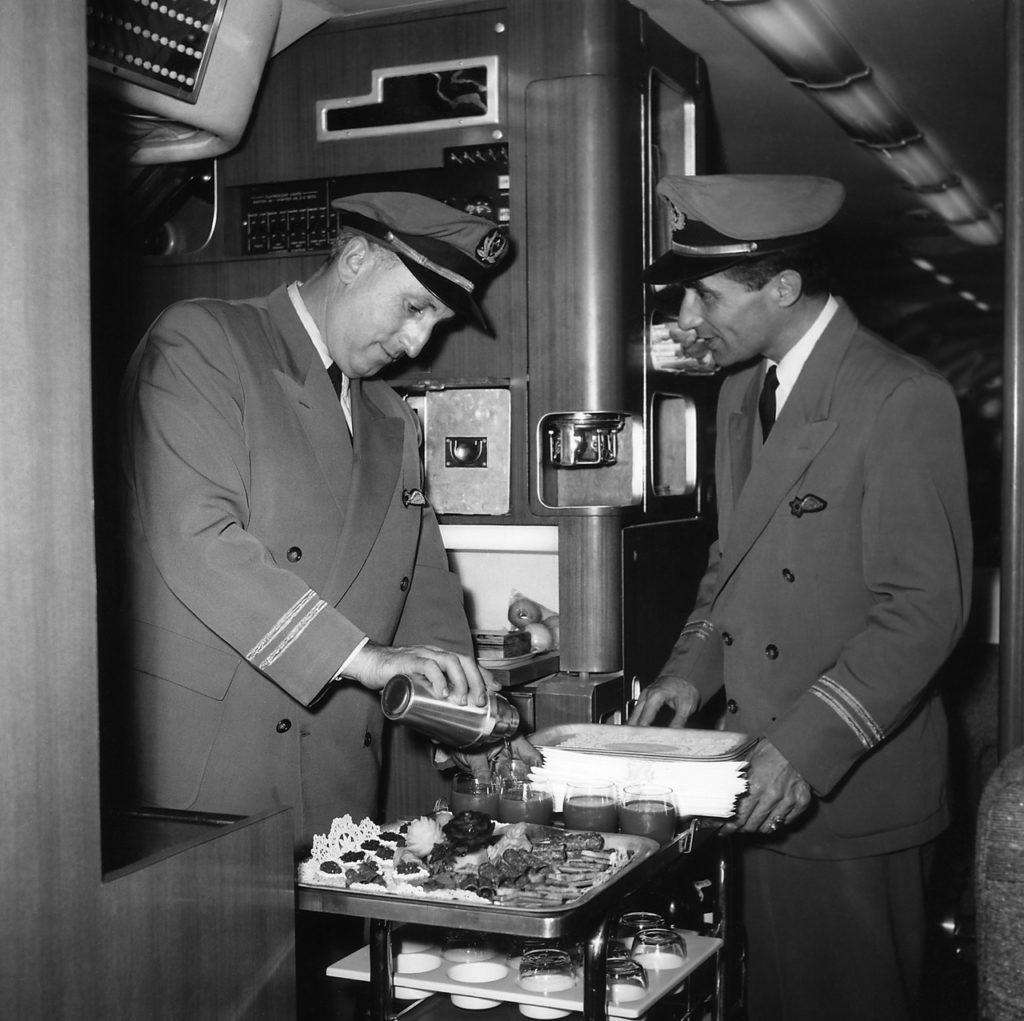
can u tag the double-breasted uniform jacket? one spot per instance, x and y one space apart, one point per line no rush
264 543
838 585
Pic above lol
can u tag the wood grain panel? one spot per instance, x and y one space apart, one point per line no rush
49 812
211 928
582 37
337 61
585 292
162 941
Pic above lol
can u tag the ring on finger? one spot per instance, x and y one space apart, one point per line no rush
776 822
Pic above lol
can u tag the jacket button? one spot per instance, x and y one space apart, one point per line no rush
294 555
727 638
771 652
732 706
788 574
367 739
404 584
283 726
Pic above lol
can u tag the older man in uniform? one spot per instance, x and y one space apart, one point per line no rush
283 562
837 586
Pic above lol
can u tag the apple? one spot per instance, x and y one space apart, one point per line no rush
541 638
522 611
552 624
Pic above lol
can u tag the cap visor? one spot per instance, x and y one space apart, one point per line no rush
681 269
458 300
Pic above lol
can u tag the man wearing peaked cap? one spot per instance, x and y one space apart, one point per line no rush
837 586
448 251
719 221
283 562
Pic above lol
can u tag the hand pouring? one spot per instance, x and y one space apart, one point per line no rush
408 698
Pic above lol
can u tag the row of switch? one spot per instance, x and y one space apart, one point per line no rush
293 230
309 230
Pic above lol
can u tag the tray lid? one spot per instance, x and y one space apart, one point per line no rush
644 742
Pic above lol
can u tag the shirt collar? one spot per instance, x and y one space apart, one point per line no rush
793 360
307 321
321 348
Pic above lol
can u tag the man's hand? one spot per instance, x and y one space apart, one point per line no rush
679 695
451 675
484 762
776 794
680 350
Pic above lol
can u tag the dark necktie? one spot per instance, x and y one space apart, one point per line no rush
766 402
336 376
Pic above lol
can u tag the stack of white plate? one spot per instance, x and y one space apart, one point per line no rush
704 768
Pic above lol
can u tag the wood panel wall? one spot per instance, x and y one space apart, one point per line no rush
49 810
205 932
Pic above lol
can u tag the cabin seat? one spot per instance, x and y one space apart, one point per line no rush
999 880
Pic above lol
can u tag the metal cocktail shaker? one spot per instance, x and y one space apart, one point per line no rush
408 698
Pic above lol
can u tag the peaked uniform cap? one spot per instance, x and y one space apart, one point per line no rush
450 252
720 220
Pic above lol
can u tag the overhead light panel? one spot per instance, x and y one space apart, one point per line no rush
815 56
865 112
986 230
800 40
952 202
914 160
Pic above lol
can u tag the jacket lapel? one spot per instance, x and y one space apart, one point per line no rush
801 431
361 469
740 447
377 442
324 424
308 389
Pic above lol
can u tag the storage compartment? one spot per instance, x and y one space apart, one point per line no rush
467 449
590 459
673 445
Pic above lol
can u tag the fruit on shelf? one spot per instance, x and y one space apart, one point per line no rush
522 611
541 638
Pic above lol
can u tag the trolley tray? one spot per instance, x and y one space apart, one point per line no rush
543 922
506 989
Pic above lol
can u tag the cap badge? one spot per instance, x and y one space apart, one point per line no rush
493 247
678 218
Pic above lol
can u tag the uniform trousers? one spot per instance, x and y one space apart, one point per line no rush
834 940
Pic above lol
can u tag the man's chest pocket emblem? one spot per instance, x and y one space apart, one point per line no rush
809 504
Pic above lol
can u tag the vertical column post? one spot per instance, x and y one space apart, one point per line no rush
1011 599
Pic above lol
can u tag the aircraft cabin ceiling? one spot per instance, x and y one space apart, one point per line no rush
939 62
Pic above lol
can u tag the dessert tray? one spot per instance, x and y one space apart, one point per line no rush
522 867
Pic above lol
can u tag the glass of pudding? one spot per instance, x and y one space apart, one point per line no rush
626 980
632 922
461 946
546 971
659 948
